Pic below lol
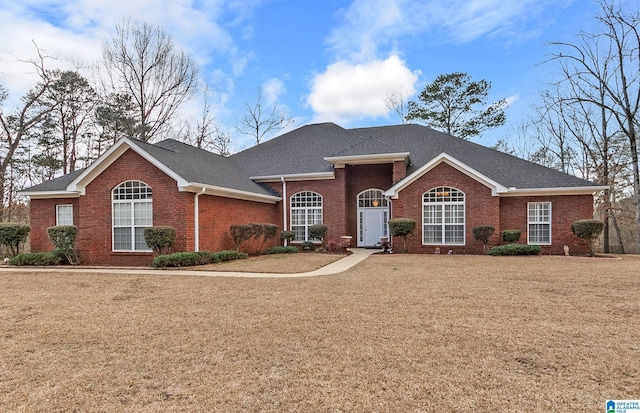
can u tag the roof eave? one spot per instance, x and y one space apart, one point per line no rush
496 187
229 193
111 155
565 190
341 161
312 176
49 194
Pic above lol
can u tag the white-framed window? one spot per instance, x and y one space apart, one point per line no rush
132 212
539 223
306 210
64 214
443 216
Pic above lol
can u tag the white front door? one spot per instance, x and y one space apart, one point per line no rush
372 226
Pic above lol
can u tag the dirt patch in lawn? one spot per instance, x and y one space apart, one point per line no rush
401 333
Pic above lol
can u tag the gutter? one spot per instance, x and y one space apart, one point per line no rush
196 219
284 205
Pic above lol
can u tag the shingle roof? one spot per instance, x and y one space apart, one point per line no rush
302 151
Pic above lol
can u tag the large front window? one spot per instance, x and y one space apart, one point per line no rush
306 210
443 217
132 213
539 219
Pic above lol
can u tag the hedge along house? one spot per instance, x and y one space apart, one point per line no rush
352 180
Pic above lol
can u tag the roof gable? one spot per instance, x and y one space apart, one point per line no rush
496 188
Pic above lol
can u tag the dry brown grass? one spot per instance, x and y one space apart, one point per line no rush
397 333
275 263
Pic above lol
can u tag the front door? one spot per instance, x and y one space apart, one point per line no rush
373 214
373 226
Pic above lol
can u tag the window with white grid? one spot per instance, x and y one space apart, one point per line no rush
443 217
306 210
64 214
539 223
132 213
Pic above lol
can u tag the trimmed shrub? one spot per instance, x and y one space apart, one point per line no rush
287 235
64 238
183 259
37 258
589 230
160 239
264 231
318 231
228 255
402 227
306 246
13 236
515 249
282 250
241 233
511 235
483 233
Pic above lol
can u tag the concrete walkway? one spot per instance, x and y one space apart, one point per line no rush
358 255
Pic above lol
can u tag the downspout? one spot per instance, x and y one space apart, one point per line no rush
196 220
284 206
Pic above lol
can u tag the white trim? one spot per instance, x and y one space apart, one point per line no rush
49 194
341 161
496 188
196 219
568 190
442 214
229 193
311 176
550 223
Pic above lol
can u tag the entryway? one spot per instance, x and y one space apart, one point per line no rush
373 215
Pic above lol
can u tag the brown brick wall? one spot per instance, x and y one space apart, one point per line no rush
43 215
484 209
217 214
565 209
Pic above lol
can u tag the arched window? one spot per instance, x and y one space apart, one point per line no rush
306 210
443 213
372 198
132 213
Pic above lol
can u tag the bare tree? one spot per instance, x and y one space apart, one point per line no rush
262 118
205 133
16 125
141 61
609 61
395 102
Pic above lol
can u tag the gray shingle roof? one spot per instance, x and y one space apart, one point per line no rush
302 151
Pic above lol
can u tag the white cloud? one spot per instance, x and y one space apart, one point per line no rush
75 29
370 27
348 91
272 89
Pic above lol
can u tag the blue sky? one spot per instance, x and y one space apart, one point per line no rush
321 60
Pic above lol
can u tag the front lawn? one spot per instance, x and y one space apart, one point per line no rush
397 333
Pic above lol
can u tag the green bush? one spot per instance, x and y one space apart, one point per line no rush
228 255
13 236
515 249
37 258
282 250
511 235
178 259
306 246
483 233
318 231
264 231
241 233
589 230
287 235
402 227
64 238
160 239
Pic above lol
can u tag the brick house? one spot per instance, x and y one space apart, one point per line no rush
352 180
